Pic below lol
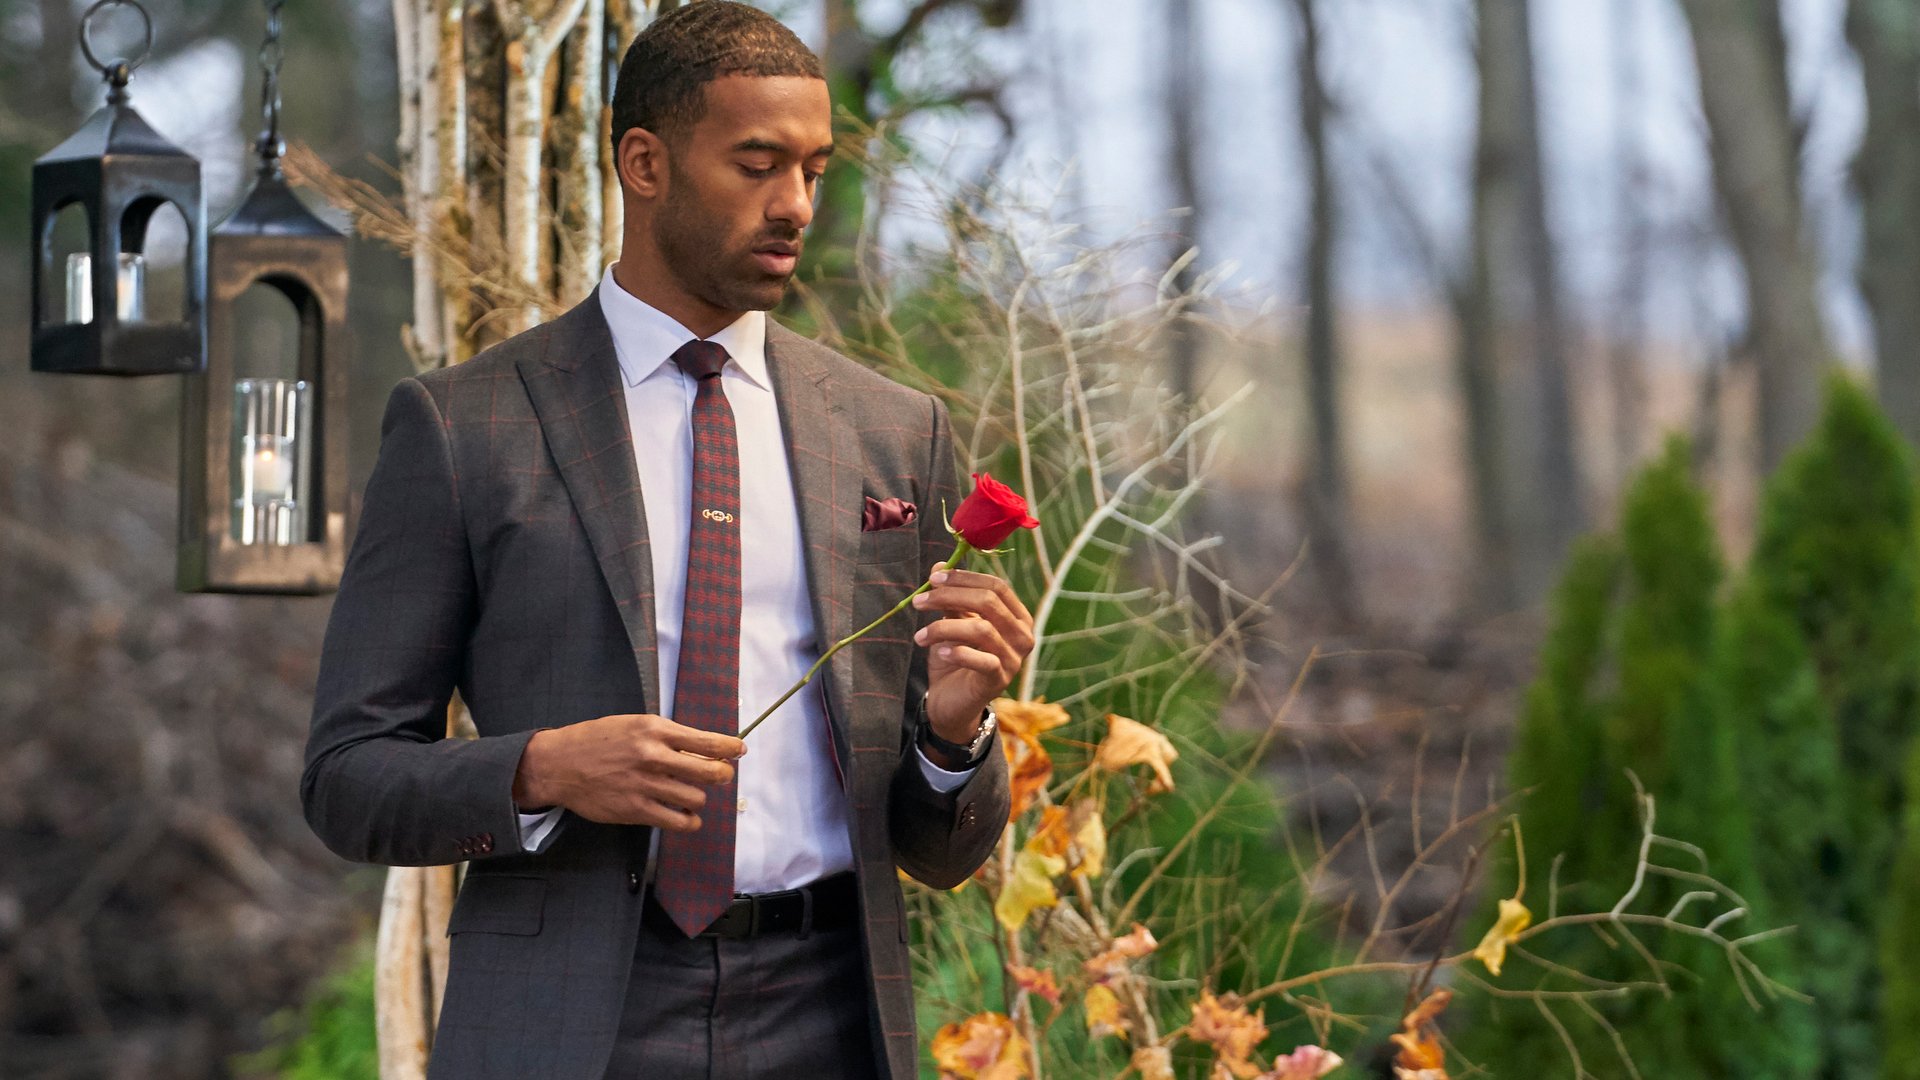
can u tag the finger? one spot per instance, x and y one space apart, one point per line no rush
672 818
709 744
975 632
671 792
986 604
970 579
960 600
693 769
973 659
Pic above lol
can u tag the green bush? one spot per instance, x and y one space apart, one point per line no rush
1626 690
332 1037
1899 945
1834 565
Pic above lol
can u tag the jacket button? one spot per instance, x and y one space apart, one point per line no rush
633 882
486 845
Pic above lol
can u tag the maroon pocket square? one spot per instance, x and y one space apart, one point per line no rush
886 514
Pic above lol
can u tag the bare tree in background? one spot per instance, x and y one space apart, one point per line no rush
1183 117
1886 37
1527 482
1328 521
1741 51
860 65
1626 377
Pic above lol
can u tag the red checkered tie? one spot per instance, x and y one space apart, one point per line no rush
695 881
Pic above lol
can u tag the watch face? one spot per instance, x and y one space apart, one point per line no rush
987 727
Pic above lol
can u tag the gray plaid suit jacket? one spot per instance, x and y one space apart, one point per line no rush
502 551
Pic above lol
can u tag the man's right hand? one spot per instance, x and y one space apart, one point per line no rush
627 769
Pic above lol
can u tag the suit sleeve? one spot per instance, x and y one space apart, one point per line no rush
383 783
941 838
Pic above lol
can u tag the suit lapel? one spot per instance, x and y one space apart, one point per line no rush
574 384
823 455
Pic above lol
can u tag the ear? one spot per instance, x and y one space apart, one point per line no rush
642 163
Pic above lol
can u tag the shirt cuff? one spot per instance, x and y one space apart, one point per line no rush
535 828
938 778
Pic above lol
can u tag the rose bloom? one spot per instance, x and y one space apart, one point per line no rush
991 514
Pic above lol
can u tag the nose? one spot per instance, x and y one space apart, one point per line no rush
792 202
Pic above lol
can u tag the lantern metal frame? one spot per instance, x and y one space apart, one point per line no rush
272 239
120 171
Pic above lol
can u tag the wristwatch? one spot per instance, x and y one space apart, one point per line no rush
970 753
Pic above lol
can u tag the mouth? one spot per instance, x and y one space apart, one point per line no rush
778 257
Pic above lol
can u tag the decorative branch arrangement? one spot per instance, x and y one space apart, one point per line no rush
1113 901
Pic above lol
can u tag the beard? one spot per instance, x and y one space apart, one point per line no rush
708 261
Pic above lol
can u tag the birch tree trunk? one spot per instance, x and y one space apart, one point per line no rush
1740 49
512 209
532 41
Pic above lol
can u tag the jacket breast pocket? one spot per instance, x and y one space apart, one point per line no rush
889 545
499 904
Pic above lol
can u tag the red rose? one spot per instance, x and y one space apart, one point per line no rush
991 514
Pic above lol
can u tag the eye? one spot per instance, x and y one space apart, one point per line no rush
759 174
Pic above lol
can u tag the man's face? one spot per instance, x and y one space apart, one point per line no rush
740 189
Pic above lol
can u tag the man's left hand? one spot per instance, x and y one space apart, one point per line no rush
975 651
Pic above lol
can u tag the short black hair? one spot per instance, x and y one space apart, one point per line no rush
662 82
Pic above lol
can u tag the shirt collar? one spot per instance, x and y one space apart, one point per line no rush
645 338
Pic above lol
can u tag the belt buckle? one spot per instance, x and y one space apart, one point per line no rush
753 915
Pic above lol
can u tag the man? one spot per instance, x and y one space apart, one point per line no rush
662 505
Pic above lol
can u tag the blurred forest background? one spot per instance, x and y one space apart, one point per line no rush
1477 259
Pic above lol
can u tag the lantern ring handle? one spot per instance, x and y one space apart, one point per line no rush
119 70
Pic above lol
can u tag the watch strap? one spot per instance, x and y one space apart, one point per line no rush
969 754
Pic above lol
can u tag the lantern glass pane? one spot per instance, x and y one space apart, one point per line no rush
271 466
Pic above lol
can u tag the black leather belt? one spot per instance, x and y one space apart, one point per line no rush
831 903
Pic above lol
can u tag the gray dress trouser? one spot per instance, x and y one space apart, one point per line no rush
779 1006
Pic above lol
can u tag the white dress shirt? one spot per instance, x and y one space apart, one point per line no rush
792 813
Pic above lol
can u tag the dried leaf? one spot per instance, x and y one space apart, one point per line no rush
1080 836
1234 1033
1029 767
985 1046
1154 1063
1050 836
1103 1012
1028 718
1421 1056
1130 742
1112 963
1305 1063
1030 886
1090 836
1492 950
1035 981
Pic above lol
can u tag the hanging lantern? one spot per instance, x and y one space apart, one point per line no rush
264 459
119 171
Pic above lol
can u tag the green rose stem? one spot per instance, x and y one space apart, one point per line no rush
960 550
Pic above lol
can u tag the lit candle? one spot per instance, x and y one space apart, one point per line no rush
270 467
130 303
270 442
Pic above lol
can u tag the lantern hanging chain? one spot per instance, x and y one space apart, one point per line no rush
272 52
